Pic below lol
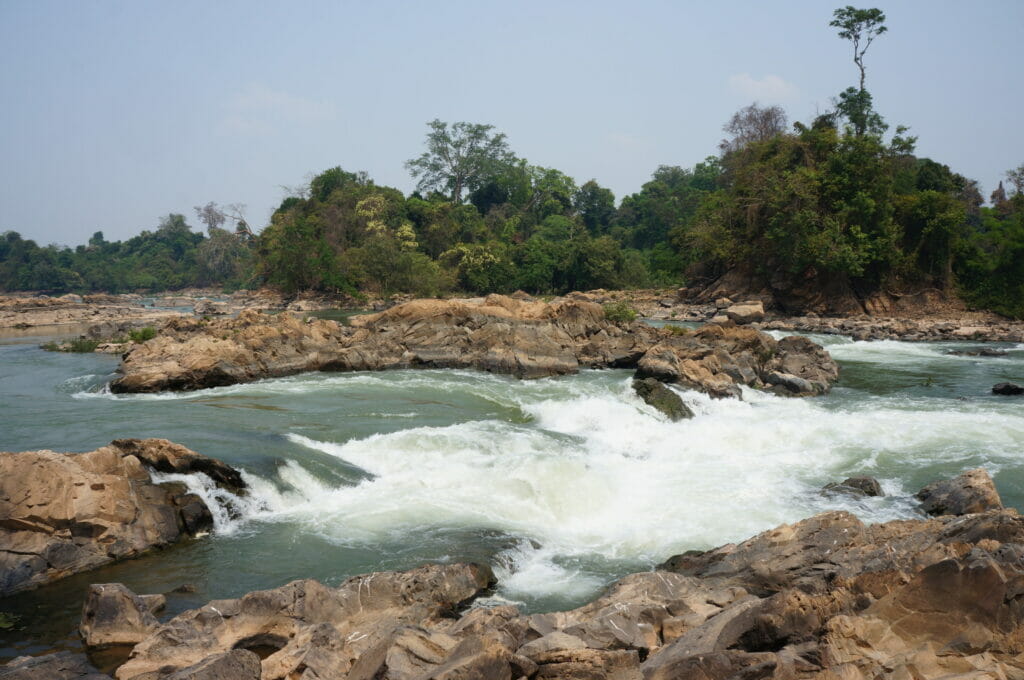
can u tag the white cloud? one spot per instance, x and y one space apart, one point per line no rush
770 90
258 110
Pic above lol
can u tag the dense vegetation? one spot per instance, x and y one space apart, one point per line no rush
837 200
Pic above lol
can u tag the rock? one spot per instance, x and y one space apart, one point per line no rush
237 664
1007 388
745 313
114 615
662 398
790 383
722 303
210 307
970 492
666 303
65 513
499 334
166 456
307 627
57 666
858 486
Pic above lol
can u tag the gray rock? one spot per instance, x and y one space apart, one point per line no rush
858 486
238 664
662 398
1007 388
59 666
114 615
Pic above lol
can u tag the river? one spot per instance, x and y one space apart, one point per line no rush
561 484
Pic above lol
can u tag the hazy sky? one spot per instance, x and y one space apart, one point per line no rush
115 113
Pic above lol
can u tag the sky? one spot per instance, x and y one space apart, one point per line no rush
117 113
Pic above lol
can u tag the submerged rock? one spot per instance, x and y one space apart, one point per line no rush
662 398
1007 388
858 486
62 513
499 334
971 491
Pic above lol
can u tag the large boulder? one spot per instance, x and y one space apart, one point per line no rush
114 615
62 513
746 312
521 337
971 491
1007 389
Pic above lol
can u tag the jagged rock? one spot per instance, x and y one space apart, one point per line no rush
858 486
166 456
971 491
746 312
306 626
114 615
1007 388
499 334
662 398
65 513
57 666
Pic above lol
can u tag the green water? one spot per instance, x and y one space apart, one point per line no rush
561 484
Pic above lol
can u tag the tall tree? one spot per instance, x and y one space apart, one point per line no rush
460 157
860 27
752 124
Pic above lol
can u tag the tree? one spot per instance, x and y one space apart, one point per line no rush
860 27
752 124
460 157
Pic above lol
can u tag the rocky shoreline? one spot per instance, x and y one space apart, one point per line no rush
826 597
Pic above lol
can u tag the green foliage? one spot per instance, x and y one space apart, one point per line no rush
619 312
80 345
141 335
8 621
459 158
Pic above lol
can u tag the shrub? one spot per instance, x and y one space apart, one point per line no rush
619 312
142 334
76 345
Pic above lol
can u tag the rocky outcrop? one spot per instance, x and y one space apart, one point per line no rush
306 627
829 597
499 334
655 394
62 513
970 492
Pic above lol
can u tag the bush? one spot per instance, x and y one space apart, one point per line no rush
142 334
83 345
619 312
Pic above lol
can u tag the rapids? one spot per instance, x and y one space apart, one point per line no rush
562 484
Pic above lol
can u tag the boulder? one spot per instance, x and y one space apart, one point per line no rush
970 492
1007 388
655 394
63 513
114 615
857 486
746 312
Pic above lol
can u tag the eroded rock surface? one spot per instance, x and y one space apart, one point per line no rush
500 334
971 491
62 513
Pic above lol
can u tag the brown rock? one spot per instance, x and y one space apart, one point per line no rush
972 491
499 334
114 615
238 664
65 513
57 666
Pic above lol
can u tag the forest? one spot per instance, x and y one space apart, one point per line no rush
841 198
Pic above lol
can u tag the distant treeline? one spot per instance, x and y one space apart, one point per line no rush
835 199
